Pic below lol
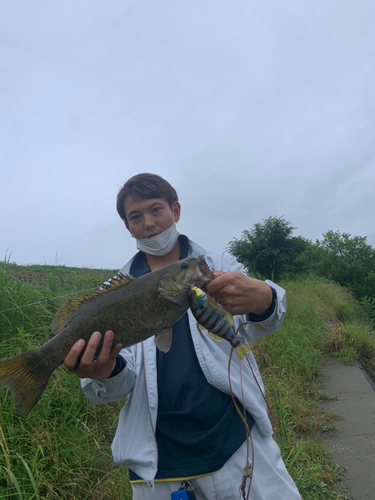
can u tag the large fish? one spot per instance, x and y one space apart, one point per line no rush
134 309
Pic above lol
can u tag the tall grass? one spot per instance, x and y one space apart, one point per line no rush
62 449
319 319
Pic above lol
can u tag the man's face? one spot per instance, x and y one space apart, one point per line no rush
147 218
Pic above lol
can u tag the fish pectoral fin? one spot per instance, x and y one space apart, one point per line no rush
163 339
172 291
215 337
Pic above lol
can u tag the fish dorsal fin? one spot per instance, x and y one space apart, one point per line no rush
67 310
163 339
117 281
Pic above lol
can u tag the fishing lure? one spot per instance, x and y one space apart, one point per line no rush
212 317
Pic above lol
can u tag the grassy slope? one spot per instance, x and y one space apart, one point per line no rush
290 365
62 449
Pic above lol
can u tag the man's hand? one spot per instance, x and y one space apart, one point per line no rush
240 294
89 367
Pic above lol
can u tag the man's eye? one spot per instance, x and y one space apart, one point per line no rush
134 218
156 209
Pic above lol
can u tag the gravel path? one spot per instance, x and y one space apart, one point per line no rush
352 443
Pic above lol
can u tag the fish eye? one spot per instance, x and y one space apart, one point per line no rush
185 265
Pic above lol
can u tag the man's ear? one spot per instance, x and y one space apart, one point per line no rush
176 211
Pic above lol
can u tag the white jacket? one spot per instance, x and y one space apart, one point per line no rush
134 444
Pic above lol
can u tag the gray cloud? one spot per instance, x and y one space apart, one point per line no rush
248 109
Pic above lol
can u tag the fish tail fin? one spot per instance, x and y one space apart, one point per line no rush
242 350
25 378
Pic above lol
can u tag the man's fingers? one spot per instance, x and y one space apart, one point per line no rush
217 284
72 357
92 346
105 352
219 273
88 365
115 351
112 353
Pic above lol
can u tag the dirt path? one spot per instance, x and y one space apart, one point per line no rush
352 443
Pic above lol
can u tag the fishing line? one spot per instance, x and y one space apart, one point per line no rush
270 412
249 467
47 300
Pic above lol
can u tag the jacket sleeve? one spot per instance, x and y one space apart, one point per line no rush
253 330
108 390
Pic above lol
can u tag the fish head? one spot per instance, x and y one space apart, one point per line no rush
189 272
206 274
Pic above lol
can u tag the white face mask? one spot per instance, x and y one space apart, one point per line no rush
161 244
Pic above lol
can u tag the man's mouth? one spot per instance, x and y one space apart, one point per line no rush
152 235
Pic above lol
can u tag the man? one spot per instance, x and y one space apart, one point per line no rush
179 427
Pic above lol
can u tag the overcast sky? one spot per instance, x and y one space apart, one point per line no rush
248 108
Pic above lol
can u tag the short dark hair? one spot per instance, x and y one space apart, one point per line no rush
145 187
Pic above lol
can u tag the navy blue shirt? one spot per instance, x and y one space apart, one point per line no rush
198 428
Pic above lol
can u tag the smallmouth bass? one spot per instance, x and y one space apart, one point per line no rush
134 309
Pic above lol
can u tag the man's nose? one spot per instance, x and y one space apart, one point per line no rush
149 222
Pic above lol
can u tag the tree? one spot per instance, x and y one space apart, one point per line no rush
348 260
269 250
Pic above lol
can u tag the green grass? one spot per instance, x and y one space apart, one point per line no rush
322 318
62 449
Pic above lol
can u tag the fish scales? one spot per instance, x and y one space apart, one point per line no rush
134 309
107 312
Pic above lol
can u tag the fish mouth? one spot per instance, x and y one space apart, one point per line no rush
202 281
206 275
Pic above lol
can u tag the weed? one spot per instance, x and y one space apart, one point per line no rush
322 318
62 449
347 355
